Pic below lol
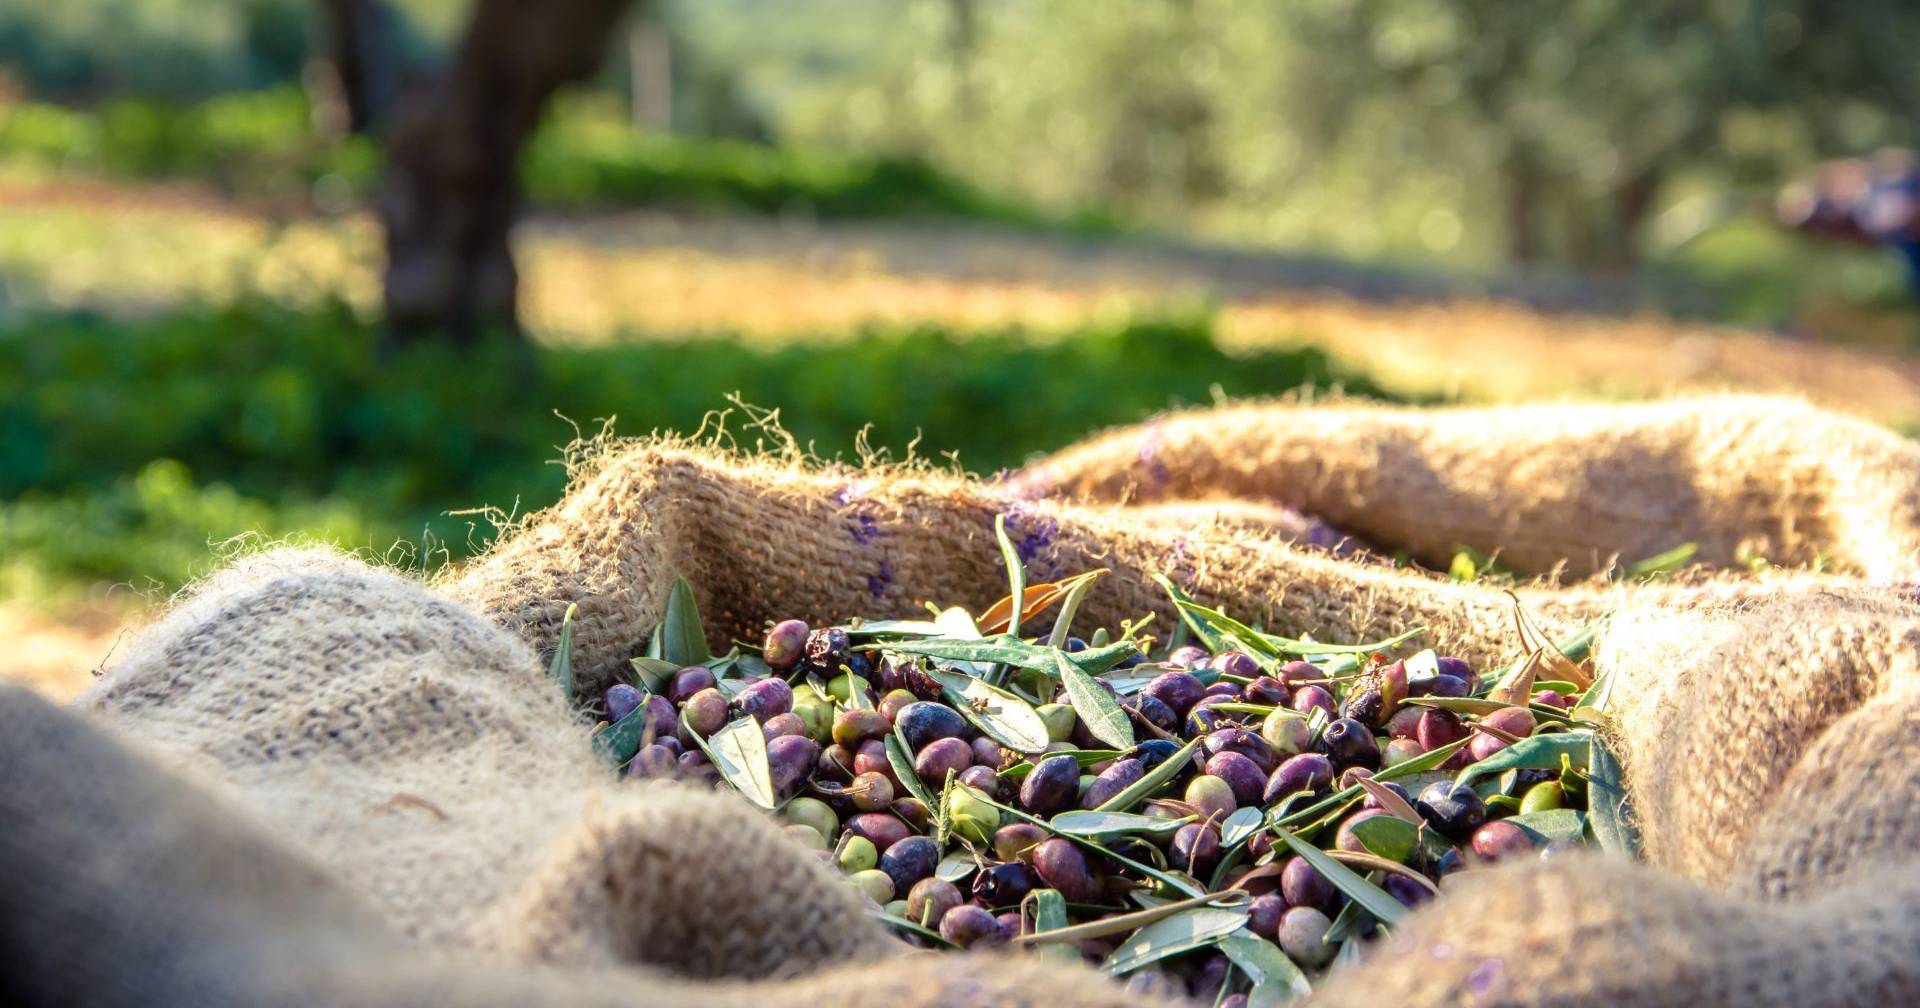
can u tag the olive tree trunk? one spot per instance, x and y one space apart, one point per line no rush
358 36
452 189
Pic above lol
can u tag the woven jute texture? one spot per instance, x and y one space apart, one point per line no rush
316 782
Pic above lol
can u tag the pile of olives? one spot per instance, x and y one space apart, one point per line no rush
1300 801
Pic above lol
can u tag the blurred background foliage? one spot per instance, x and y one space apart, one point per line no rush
1628 150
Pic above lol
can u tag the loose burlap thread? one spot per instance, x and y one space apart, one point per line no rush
316 782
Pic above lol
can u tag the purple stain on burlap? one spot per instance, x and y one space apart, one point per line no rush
860 522
879 581
1032 535
1488 979
1180 564
1153 469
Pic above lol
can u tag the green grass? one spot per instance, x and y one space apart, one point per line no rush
281 421
586 155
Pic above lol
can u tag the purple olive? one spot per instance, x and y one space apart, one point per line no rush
1187 657
1267 690
705 712
1205 983
1196 848
925 722
914 811
1406 890
1293 672
1405 723
1244 742
1349 743
1438 728
1151 710
930 899
987 753
688 681
1263 916
871 792
1050 786
764 698
1004 884
1178 690
1448 686
1501 839
694 765
890 705
1062 866
1307 698
653 761
1553 698
1303 937
785 645
1241 774
1116 778
1305 772
970 926
871 757
1347 840
784 724
1229 690
791 758
882 829
1303 885
858 724
940 757
1452 808
1014 841
1459 669
622 700
981 779
1235 663
826 650
909 860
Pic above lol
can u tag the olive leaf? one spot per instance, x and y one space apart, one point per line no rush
1660 564
653 673
1287 645
1085 757
1368 896
739 752
679 638
1418 765
1227 627
1241 826
1071 606
1016 573
1276 978
1574 647
1608 813
619 741
1098 823
1170 936
1210 638
562 668
1096 708
1389 836
1536 752
900 758
1049 913
1150 782
1534 639
902 924
1039 598
882 628
956 866
1006 649
1516 690
1005 718
1390 801
1551 825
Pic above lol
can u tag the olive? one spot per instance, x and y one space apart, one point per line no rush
1406 890
812 812
1233 1001
817 716
1351 775
1004 884
1447 863
1448 686
764 698
790 758
1305 772
653 761
1267 690
1303 885
987 753
1553 698
1196 848
1154 712
909 860
873 882
1178 690
981 779
1235 663
1399 751
858 724
1014 840
1212 797
1244 742
1373 803
970 926
914 811
1438 728
1153 984
1452 808
786 724
1240 774
1227 690
1073 644
672 744
871 792
1051 786
1202 719
879 827
693 765
871 757
784 645
688 681
941 757
836 765
1206 981
1516 721
924 722
1154 752
1059 719
1286 733
1308 698
1062 866
806 836
1116 779
1405 723
826 650
1263 915
1294 672
1543 796
930 899
1347 743
1303 937
1187 656
1010 924
1458 669
890 705
856 854
1501 839
845 686
622 700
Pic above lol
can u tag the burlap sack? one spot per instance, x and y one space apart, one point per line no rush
318 783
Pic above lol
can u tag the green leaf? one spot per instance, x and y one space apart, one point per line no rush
903 924
1008 650
1535 752
1169 936
956 866
910 628
1299 647
1608 811
1209 637
1069 607
1241 826
1226 626
1006 718
1016 573
1418 765
1661 564
562 668
1100 712
1371 898
739 752
1150 782
1085 757
1561 824
620 740
1390 837
653 673
1276 979
1098 823
900 758
683 641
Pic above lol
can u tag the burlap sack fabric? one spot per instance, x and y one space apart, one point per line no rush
314 782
